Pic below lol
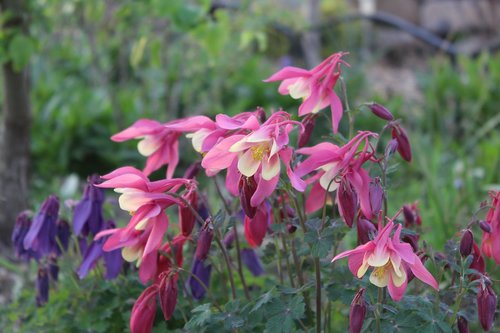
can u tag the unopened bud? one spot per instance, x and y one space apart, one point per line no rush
381 111
408 215
391 147
366 230
404 147
247 187
291 228
347 202
357 312
486 306
252 262
204 241
462 324
186 215
412 240
376 196
466 243
229 239
53 268
309 122
63 235
167 294
202 272
485 226
42 286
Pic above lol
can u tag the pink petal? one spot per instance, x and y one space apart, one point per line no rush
219 157
337 111
355 261
247 165
190 124
228 123
316 198
297 183
368 247
264 189
160 225
422 273
139 129
287 73
396 293
271 167
232 178
360 181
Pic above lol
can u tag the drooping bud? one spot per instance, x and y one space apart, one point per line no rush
347 202
53 268
291 228
203 210
21 228
252 262
485 226
42 286
477 262
486 306
381 111
205 237
113 260
247 187
88 215
192 170
42 234
404 147
366 231
309 122
376 196
202 272
167 294
229 239
144 311
408 215
391 148
466 243
260 113
186 215
412 240
63 235
357 312
255 229
462 324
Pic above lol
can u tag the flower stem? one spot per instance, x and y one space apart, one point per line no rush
204 286
228 265
378 312
317 269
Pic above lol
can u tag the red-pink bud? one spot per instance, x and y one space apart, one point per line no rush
205 237
260 113
485 226
381 111
462 324
357 312
247 187
477 262
366 230
466 243
404 147
186 215
408 215
167 294
391 147
486 306
347 202
291 228
309 122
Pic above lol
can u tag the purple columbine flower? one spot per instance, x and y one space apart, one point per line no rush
41 237
53 268
202 272
21 228
87 216
252 261
112 260
42 286
205 237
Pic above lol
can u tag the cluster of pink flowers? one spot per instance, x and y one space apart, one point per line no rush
253 150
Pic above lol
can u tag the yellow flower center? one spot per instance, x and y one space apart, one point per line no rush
131 213
259 151
380 272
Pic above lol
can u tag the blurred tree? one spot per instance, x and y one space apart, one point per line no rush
15 120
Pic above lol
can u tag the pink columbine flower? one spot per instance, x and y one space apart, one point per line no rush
255 154
315 86
335 165
491 240
390 260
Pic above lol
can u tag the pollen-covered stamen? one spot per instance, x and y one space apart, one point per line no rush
260 151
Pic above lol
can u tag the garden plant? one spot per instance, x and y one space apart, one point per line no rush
273 229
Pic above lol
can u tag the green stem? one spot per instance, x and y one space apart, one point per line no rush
378 312
348 108
228 265
317 270
204 286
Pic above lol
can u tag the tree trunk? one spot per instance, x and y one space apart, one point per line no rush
311 39
15 127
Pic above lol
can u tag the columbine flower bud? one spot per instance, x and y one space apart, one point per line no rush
21 228
391 148
412 240
366 230
192 171
485 226
247 187
53 268
404 147
486 306
63 235
347 202
381 111
466 243
87 215
408 215
42 286
229 239
252 262
202 272
186 216
205 237
462 324
42 234
357 312
291 228
477 262
167 294
309 122
376 196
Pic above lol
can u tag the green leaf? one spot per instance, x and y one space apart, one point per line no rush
138 51
202 315
263 299
21 48
320 243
